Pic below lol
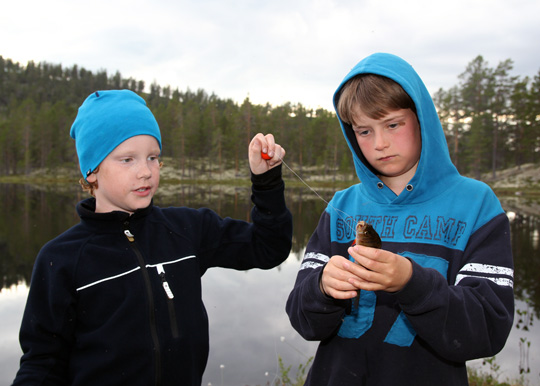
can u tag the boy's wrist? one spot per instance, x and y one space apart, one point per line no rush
268 180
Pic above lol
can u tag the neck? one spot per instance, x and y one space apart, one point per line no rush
394 184
397 183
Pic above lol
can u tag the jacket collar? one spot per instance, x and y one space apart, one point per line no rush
111 220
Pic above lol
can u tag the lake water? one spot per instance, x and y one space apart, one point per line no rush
249 329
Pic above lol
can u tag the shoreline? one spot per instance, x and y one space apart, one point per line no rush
512 182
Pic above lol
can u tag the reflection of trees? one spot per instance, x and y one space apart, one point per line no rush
306 213
525 230
31 216
235 202
8 274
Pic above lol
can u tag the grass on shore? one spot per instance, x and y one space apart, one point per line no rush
477 377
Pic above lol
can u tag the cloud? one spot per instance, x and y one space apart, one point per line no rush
270 51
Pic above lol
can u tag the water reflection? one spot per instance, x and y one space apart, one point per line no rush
30 216
247 335
525 247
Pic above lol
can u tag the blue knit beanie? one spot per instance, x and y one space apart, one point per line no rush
105 120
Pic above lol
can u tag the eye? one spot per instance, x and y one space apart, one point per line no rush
360 131
395 125
126 160
153 158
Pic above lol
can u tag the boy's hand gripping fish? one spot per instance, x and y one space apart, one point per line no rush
367 237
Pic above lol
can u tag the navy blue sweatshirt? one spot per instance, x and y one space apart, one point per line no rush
458 304
116 299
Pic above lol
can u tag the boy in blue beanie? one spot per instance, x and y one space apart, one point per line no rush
116 299
440 291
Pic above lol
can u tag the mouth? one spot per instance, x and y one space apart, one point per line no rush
386 158
143 190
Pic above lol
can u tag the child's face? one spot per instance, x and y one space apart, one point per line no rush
129 176
392 144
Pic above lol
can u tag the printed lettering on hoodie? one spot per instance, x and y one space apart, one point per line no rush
410 228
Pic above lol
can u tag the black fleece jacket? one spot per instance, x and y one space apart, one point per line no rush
116 299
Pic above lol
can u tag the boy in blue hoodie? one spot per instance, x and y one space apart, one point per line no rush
440 291
117 299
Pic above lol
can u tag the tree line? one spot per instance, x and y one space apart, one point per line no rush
491 120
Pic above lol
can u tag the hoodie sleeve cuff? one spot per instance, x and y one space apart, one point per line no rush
267 181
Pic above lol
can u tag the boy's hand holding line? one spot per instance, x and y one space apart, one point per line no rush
264 144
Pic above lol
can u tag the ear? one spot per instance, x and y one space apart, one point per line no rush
91 178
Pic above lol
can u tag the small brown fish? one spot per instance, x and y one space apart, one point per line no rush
367 237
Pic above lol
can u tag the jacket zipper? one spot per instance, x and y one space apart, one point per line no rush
170 302
151 305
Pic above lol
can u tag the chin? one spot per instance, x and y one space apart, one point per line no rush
141 205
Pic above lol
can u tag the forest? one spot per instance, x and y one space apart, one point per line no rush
491 120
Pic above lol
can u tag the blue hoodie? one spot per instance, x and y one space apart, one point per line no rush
458 304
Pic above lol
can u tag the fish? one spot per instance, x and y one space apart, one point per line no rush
366 236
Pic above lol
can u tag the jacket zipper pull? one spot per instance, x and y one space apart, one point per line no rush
129 235
161 272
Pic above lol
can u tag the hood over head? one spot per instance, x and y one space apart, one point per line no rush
435 166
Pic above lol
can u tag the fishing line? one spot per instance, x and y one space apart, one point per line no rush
338 211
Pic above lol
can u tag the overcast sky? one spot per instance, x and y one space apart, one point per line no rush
272 51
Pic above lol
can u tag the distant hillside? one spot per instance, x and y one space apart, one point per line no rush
522 179
518 189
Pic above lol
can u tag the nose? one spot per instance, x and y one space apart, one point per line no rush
381 141
144 170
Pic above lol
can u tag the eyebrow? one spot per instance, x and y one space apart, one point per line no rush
393 118
390 118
